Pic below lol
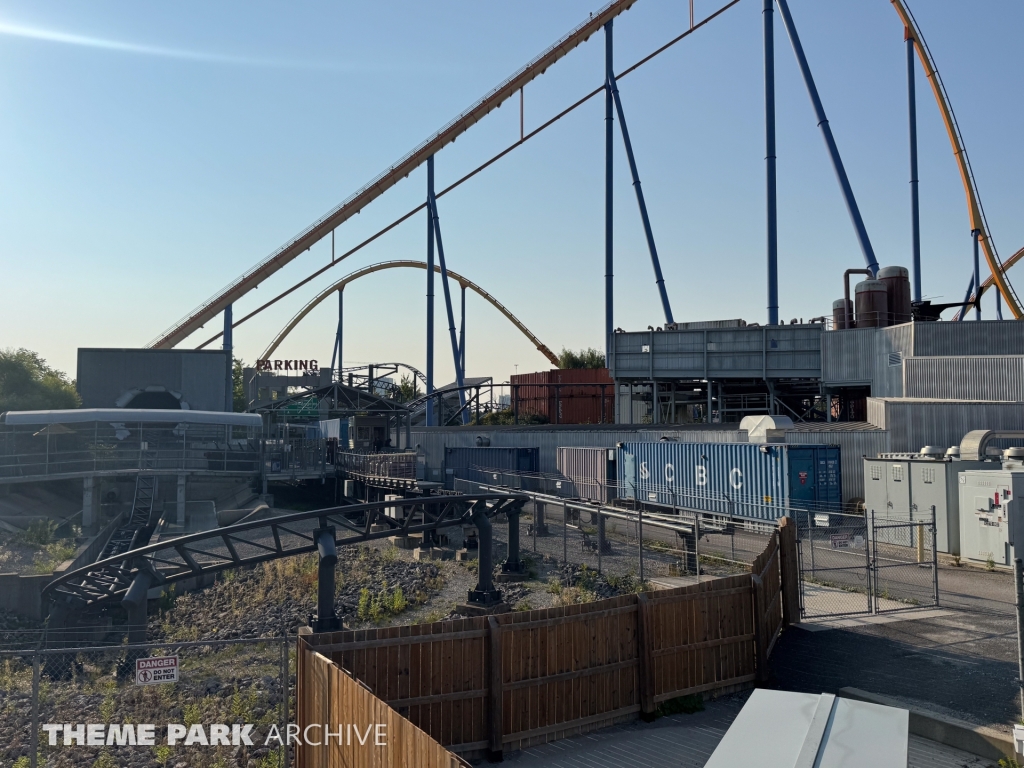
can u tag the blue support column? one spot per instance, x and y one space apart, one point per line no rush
462 334
460 378
229 400
609 252
769 158
977 275
830 142
967 298
430 292
915 211
658 278
336 354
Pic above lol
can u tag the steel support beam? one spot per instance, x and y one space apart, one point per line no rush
462 333
769 159
229 396
460 377
656 263
830 142
485 594
430 293
915 211
609 249
967 299
338 338
977 274
326 617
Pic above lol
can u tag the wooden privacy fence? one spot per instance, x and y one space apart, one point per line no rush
364 730
501 682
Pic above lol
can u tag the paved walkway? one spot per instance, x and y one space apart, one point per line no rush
687 741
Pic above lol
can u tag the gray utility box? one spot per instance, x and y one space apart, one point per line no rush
906 486
988 501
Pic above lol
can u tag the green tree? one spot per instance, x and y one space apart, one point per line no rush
27 383
585 358
237 386
407 389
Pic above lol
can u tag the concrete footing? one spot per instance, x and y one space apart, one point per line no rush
431 553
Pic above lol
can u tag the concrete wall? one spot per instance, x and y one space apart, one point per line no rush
21 593
199 377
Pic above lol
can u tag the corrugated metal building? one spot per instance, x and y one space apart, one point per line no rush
862 356
983 377
916 422
751 352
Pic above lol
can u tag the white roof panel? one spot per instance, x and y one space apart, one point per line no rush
87 415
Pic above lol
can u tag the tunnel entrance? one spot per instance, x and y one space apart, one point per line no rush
155 400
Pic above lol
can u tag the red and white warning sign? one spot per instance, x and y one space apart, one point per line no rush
158 669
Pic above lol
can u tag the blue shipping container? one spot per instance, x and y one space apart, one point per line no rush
737 479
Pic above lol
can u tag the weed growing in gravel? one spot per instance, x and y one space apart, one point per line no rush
162 753
433 616
22 762
385 603
53 554
555 587
628 583
990 564
523 605
574 596
389 553
38 534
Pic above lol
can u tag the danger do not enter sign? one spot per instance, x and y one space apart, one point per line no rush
158 669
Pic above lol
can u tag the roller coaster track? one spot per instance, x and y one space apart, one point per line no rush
384 181
987 283
974 207
107 581
463 281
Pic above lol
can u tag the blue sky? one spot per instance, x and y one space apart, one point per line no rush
150 153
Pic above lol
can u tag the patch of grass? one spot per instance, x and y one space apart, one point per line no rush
433 616
555 587
52 555
628 583
375 607
523 605
38 534
574 596
587 578
990 564
681 705
1009 762
162 753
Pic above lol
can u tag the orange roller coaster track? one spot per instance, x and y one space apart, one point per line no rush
974 207
462 281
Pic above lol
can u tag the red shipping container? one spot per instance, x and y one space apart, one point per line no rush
576 399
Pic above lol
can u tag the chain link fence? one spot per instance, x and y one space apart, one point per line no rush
857 564
46 694
629 545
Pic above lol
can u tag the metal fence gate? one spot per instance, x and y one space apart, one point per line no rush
865 564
